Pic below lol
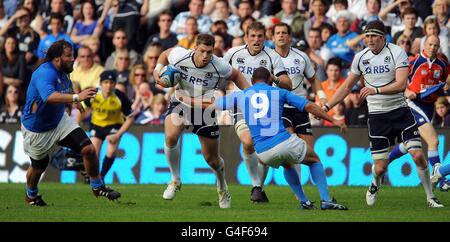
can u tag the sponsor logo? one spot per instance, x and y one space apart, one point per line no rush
436 74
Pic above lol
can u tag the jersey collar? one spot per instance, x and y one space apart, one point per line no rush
429 61
248 50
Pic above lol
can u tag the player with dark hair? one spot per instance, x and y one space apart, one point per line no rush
45 122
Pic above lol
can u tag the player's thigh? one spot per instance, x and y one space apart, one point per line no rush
173 127
97 142
210 148
309 139
429 134
311 156
76 140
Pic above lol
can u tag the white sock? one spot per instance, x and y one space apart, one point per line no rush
251 161
220 174
173 158
376 178
424 175
262 173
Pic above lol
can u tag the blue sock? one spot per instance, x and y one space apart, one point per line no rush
318 175
107 163
433 157
292 178
96 183
397 152
32 193
445 170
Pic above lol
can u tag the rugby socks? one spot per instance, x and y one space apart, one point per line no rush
251 161
96 183
292 178
220 174
397 152
377 178
173 158
424 175
262 173
318 175
106 166
433 157
32 193
445 170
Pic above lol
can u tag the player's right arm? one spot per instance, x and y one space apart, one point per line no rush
238 79
163 60
342 91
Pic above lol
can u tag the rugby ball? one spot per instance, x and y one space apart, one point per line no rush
170 76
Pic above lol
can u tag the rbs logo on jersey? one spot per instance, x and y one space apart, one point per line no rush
194 80
293 70
377 69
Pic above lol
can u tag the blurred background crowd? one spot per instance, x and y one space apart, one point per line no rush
128 36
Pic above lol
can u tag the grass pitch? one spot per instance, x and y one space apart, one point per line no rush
198 203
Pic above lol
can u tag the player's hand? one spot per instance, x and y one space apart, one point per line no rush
78 106
410 94
113 138
341 126
366 91
87 93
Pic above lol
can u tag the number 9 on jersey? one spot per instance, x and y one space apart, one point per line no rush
170 76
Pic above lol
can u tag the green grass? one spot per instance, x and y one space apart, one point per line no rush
198 203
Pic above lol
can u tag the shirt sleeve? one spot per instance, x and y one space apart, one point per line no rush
227 102
294 100
126 104
46 84
309 69
354 67
225 69
278 66
176 54
401 59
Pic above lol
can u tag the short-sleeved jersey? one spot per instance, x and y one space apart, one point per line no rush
262 107
240 58
424 73
198 81
45 80
109 111
379 70
298 67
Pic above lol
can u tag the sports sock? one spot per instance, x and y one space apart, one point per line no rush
220 174
262 173
292 178
377 179
433 157
424 175
318 175
106 166
173 158
445 170
251 161
32 193
96 183
397 152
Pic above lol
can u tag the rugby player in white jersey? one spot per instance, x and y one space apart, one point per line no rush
200 72
384 67
246 59
300 70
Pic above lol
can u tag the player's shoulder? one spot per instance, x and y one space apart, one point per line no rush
220 62
236 49
395 49
295 51
269 51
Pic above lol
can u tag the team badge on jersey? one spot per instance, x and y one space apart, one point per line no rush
436 74
263 63
387 59
297 61
208 75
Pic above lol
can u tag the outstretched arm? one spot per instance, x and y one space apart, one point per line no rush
320 113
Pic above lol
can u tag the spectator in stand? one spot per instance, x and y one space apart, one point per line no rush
393 21
406 44
143 102
431 27
440 10
318 8
120 42
155 113
334 81
56 23
373 10
245 23
28 39
94 44
166 38
87 26
150 58
188 41
56 7
326 31
293 17
151 11
3 16
10 7
12 63
87 73
442 117
138 75
195 10
237 41
244 11
356 113
219 45
337 43
11 112
127 18
409 19
318 52
220 27
122 68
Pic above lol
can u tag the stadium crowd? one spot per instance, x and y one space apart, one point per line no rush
128 36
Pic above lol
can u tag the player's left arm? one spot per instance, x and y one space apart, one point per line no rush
317 88
283 81
128 112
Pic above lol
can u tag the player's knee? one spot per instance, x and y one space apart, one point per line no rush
212 160
418 157
89 151
40 164
380 168
171 141
433 144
